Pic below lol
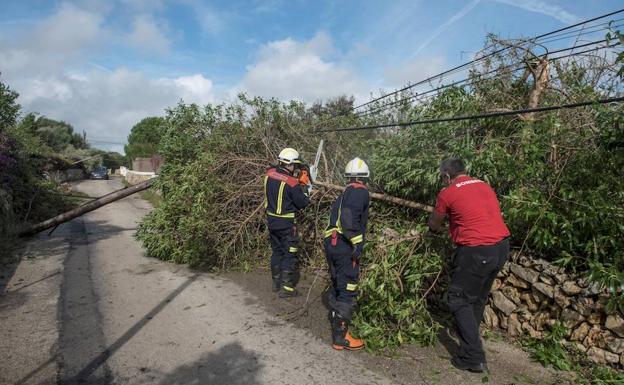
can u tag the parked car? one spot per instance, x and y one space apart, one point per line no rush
99 173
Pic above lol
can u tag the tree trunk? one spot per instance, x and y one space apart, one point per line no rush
93 205
382 197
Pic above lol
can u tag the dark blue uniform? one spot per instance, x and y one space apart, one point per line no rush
283 197
344 241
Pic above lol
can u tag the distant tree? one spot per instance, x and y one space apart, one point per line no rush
9 109
113 160
144 138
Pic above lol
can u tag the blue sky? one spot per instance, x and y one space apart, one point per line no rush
103 65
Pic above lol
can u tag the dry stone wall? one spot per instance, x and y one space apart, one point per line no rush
529 295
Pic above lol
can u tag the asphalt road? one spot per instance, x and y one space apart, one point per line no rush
85 306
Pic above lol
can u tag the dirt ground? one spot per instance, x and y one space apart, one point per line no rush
409 365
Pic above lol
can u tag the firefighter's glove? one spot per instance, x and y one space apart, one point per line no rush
304 178
358 248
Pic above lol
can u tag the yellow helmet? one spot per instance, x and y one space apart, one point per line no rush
289 156
357 168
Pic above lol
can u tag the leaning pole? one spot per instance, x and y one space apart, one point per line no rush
80 210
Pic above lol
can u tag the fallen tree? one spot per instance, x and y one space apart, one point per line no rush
81 210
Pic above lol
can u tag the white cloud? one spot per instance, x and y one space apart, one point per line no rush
413 71
290 69
210 20
50 66
539 6
149 35
108 104
67 31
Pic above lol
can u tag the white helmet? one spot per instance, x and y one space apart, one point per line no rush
357 168
289 156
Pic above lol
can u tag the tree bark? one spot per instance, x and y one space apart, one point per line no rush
93 205
382 197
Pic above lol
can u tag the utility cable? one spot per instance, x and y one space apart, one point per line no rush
418 96
531 40
479 116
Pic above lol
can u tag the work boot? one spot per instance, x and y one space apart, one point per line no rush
341 337
276 274
475 368
287 289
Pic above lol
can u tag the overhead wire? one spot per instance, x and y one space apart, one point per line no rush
554 34
522 63
479 116
530 40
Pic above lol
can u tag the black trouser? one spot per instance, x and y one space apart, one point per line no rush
285 247
473 270
344 271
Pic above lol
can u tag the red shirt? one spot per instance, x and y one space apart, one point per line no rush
474 213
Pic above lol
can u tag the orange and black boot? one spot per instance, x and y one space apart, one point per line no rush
288 286
341 337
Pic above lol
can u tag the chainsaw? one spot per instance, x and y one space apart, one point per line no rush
308 175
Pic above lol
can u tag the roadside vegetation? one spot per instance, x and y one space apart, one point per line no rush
31 148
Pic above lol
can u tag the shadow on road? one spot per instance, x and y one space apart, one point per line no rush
231 364
84 374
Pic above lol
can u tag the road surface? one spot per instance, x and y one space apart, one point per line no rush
84 305
88 307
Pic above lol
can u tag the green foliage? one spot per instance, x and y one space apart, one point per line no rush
9 109
600 375
144 138
611 278
393 308
558 176
25 195
550 350
57 136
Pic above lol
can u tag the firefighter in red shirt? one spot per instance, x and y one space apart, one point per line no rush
477 229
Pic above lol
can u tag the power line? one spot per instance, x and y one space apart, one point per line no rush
479 116
421 95
474 61
531 40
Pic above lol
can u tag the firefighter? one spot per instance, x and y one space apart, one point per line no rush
344 242
477 229
284 195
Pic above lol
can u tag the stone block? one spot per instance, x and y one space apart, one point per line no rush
524 273
514 328
516 282
547 279
594 337
503 303
512 294
615 323
502 321
496 284
540 320
580 332
616 345
526 326
561 278
598 355
595 318
561 299
584 305
545 289
490 318
571 288
527 298
571 318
